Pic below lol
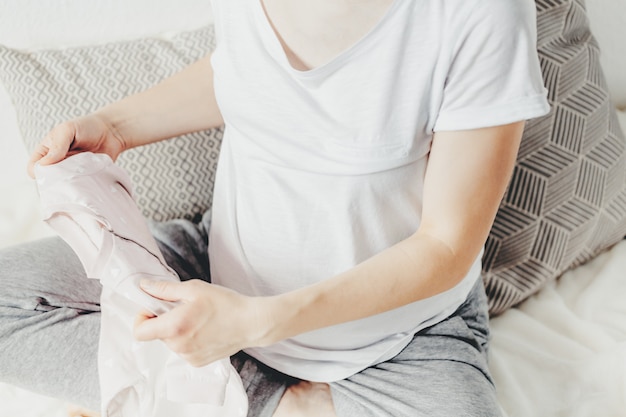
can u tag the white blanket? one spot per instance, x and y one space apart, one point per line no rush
563 352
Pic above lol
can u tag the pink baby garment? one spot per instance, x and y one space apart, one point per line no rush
88 201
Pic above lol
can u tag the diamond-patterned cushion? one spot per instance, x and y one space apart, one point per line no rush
172 179
567 198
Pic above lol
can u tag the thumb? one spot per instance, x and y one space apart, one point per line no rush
166 290
54 154
57 143
44 155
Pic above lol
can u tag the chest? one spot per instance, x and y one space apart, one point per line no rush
374 101
313 32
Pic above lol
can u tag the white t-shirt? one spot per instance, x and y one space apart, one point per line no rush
319 170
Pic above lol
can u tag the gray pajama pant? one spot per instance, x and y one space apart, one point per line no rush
49 326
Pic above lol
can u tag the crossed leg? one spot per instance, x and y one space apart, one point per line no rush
49 328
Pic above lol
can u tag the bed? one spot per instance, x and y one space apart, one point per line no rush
561 352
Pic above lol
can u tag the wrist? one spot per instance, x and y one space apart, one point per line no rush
287 315
117 126
266 323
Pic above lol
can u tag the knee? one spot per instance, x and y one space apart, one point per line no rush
44 274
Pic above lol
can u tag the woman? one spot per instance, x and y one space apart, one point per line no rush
367 146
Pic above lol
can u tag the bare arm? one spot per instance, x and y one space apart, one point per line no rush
466 177
183 103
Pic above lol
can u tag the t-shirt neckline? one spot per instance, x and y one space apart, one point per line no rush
270 38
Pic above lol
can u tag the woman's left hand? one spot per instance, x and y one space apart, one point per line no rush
211 322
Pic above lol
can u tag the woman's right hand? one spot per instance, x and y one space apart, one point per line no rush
91 133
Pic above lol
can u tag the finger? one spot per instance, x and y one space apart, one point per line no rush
143 316
168 290
52 149
140 319
171 324
166 326
147 328
39 152
57 143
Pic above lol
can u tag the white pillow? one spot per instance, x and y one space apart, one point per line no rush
12 151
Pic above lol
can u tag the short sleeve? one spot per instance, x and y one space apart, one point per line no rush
493 77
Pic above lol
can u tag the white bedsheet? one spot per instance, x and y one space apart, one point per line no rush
563 352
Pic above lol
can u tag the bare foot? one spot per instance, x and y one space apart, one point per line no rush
76 411
306 399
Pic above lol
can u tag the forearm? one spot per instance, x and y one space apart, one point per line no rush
466 177
182 103
411 270
414 269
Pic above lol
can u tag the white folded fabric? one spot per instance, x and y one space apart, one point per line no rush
88 200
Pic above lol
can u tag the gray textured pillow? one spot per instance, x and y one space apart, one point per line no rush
567 199
172 179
